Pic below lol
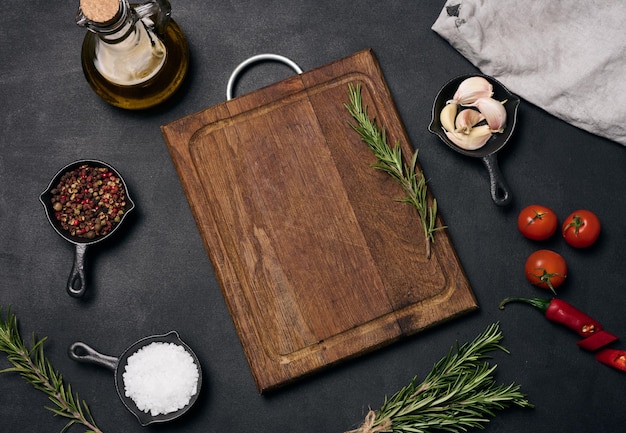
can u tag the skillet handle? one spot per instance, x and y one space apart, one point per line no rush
82 352
500 193
77 276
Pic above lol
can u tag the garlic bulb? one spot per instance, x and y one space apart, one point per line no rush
466 120
494 113
477 137
471 89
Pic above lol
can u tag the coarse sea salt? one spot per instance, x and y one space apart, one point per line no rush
160 378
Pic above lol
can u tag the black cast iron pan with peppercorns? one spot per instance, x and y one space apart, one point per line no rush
500 193
82 352
76 284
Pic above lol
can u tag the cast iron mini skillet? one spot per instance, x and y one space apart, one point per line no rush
499 189
76 284
82 352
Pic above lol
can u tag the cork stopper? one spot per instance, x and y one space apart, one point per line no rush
100 11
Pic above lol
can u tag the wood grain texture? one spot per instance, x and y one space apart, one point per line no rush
316 260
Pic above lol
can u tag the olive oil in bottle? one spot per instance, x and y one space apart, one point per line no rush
134 56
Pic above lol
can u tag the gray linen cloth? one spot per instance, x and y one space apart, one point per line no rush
565 56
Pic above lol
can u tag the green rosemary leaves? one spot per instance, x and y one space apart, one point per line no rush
37 370
390 161
459 393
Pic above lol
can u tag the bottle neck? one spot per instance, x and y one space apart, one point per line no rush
115 30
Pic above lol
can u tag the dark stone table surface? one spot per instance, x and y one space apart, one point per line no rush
156 275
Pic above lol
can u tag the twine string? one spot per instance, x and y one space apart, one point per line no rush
369 427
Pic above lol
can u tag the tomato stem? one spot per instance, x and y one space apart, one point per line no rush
545 278
577 223
538 216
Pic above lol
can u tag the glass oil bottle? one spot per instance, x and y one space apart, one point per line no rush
133 56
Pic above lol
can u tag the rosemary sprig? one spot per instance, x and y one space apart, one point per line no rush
390 161
459 393
37 370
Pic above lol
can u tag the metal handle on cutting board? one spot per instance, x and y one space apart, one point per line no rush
255 59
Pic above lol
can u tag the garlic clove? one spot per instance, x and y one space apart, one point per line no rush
447 115
466 120
477 137
494 113
471 89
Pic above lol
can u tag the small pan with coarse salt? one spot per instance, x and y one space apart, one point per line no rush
158 378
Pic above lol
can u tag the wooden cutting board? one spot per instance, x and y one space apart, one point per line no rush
316 259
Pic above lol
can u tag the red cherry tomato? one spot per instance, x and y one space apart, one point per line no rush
537 222
546 269
581 228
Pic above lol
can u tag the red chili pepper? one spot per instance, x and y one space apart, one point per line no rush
599 339
613 358
561 312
